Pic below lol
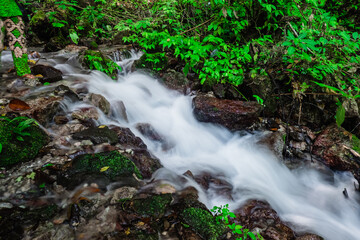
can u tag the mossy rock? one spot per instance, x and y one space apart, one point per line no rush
152 61
96 60
152 206
119 165
38 17
15 151
202 222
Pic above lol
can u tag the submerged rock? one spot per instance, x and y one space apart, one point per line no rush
19 145
100 102
234 115
97 135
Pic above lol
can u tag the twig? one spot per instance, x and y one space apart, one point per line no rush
197 26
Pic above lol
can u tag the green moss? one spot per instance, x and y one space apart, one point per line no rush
152 206
203 222
119 165
13 150
37 18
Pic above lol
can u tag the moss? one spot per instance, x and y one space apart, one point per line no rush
37 18
152 206
13 150
203 222
119 165
93 45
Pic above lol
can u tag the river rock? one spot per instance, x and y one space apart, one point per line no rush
259 215
49 73
146 163
176 80
97 135
100 102
100 168
118 110
234 115
339 149
127 138
85 114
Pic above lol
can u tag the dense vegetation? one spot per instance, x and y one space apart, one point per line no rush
312 45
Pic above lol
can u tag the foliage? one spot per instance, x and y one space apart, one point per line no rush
20 139
223 213
96 60
22 123
311 45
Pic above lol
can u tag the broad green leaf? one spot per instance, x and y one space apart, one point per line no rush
291 50
252 236
340 115
355 35
74 36
286 44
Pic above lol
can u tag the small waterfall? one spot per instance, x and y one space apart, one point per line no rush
303 197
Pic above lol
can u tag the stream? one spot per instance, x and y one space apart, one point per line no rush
304 197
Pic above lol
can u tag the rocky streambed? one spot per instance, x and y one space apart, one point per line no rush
97 168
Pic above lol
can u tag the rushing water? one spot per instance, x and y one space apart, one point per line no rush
303 197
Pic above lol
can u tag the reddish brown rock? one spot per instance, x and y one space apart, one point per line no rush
337 148
259 215
234 115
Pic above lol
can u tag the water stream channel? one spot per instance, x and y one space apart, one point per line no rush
303 197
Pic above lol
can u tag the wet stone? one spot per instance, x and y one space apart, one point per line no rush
234 115
97 135
50 74
101 102
101 168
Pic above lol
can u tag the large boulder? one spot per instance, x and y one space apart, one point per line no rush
17 144
339 149
234 115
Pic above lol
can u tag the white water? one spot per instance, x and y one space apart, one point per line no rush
302 197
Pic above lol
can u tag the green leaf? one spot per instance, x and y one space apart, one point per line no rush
355 35
74 36
186 69
291 50
286 44
252 236
0 147
340 115
57 24
31 175
20 138
18 179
